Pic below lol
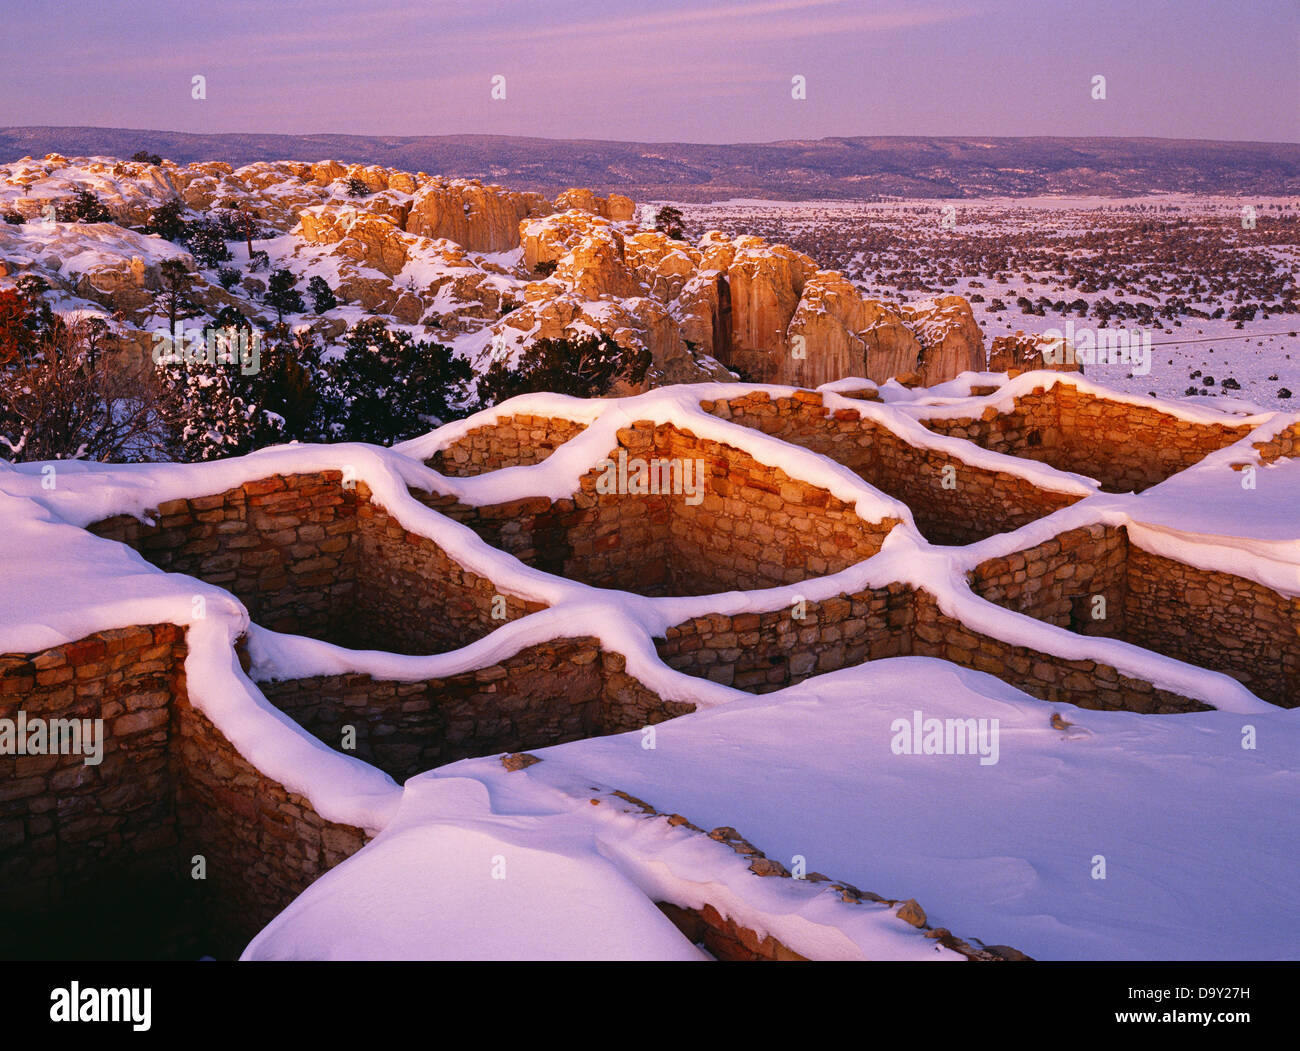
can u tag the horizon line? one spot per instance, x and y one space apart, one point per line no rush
635 142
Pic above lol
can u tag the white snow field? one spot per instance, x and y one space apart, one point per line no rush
1199 835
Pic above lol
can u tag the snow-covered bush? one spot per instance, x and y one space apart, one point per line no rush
387 386
585 368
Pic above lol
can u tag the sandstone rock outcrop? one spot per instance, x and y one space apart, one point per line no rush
1026 353
373 240
766 282
892 347
615 207
662 264
480 218
824 339
703 311
588 253
951 339
459 257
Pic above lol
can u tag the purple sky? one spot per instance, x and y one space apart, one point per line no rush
660 70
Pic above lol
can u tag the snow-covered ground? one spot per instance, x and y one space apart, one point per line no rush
1197 835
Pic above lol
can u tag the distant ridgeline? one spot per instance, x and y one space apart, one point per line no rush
842 167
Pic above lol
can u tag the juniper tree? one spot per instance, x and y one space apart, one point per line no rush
283 390
173 297
668 220
282 295
206 242
387 386
84 207
167 220
211 420
322 296
241 221
585 368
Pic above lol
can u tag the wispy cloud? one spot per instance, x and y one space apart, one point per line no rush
466 34
770 20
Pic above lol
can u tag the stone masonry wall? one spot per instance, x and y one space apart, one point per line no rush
1084 683
282 545
309 556
1285 443
1125 447
1209 619
766 651
558 691
1058 580
512 441
411 597
1216 620
113 844
65 824
978 503
263 845
606 541
754 527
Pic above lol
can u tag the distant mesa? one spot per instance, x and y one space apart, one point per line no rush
856 167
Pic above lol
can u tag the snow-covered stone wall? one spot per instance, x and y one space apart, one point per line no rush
173 842
747 524
512 441
565 690
311 555
1125 446
1096 581
953 501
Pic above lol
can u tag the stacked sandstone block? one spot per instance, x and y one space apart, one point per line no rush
513 441
754 526
1285 443
952 501
1203 617
170 790
262 844
564 690
1060 580
1127 448
62 820
1216 620
767 651
282 545
411 597
308 555
1081 682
